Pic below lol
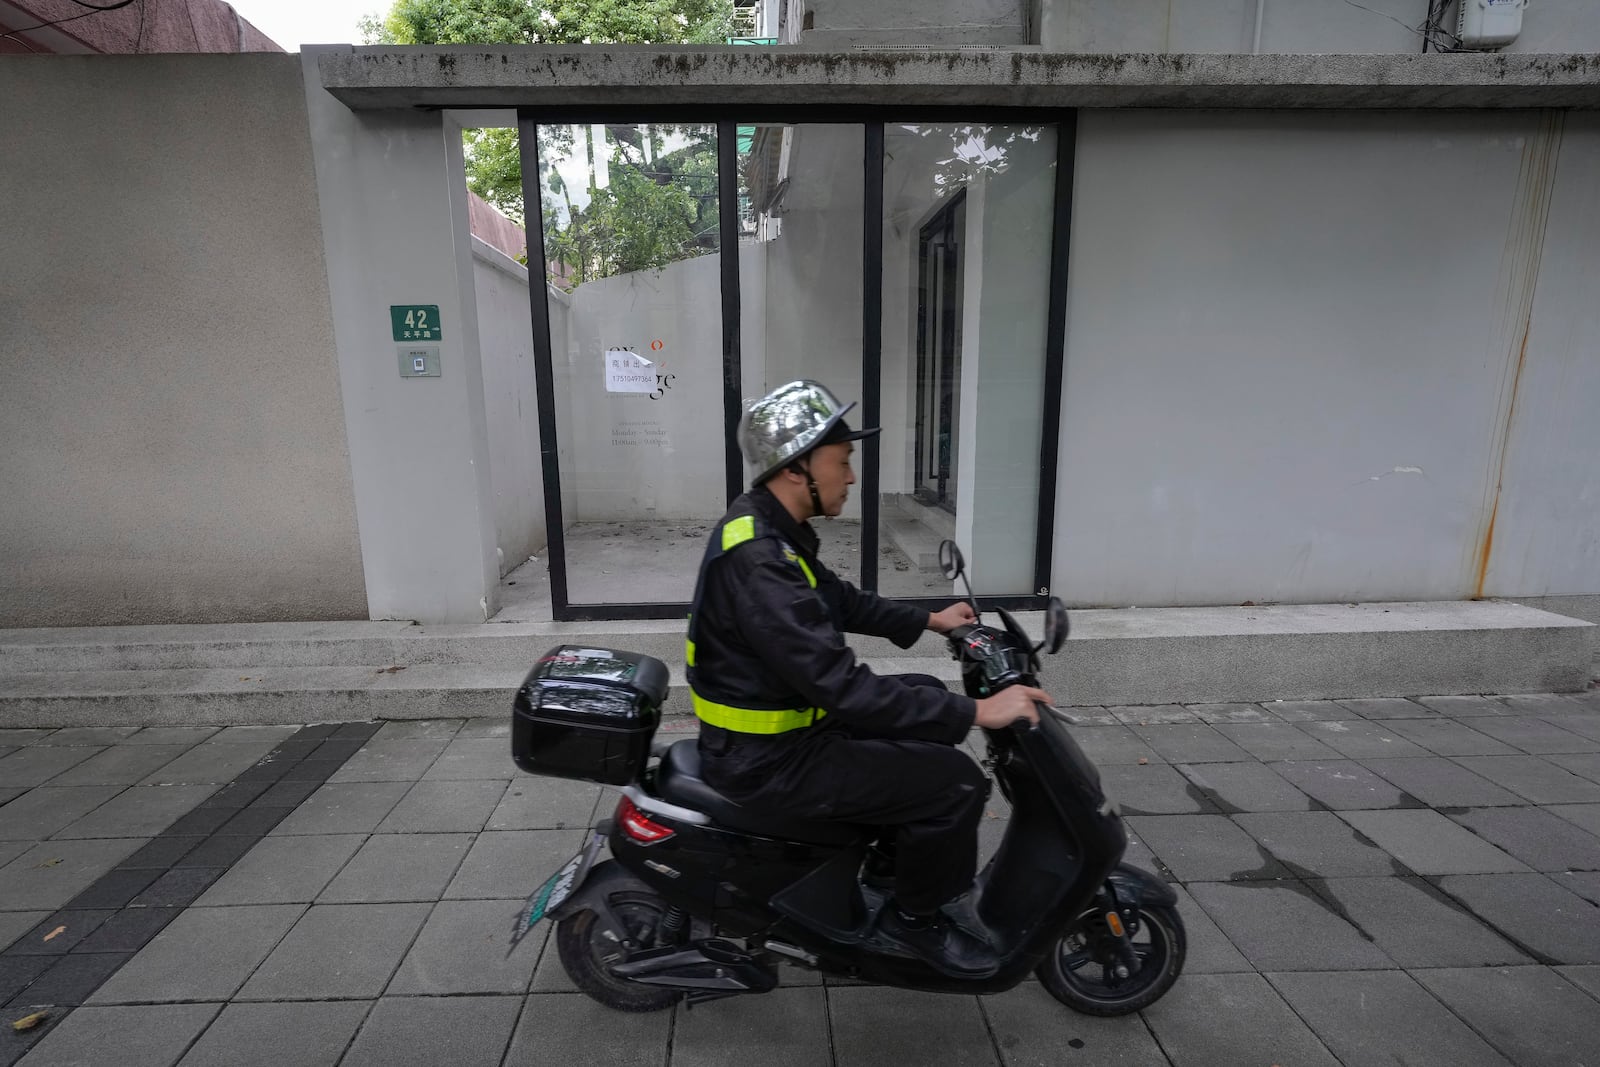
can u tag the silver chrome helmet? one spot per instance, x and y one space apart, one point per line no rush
790 421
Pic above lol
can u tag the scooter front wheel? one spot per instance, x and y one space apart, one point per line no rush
589 949
1082 971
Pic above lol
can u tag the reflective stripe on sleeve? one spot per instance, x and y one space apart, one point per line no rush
738 531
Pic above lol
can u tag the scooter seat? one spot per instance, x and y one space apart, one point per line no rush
678 780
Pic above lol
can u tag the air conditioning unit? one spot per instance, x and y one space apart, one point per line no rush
1489 23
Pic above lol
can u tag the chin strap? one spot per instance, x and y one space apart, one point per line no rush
816 498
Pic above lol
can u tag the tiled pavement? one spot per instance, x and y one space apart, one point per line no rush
1364 882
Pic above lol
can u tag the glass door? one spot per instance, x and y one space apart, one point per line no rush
631 247
968 254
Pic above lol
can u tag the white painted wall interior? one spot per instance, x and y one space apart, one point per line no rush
175 446
635 456
1287 355
1007 299
812 316
677 475
511 410
394 221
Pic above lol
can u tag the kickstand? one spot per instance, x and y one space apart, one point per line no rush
700 996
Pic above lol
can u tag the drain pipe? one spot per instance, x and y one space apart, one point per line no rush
1255 47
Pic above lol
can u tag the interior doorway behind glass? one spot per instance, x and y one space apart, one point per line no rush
939 355
968 218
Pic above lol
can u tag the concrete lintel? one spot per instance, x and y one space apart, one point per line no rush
476 76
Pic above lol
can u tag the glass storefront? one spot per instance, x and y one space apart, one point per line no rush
947 350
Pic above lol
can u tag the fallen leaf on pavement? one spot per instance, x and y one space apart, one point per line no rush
55 933
28 1022
1142 761
50 863
390 670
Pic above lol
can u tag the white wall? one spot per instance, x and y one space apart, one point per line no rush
813 271
636 456
845 24
1007 297
173 442
1546 539
1290 26
511 407
393 196
1289 342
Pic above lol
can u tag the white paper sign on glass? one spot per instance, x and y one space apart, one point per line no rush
628 372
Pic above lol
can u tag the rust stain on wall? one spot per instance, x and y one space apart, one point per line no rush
1523 253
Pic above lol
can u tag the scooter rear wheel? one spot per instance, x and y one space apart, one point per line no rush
589 949
1080 971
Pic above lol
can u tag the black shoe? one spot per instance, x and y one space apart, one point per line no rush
938 942
878 870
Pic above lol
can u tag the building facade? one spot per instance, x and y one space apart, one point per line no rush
1148 318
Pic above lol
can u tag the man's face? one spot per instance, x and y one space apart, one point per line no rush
830 469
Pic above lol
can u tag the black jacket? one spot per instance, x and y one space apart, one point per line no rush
764 638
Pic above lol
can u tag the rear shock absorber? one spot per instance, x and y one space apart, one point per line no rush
673 926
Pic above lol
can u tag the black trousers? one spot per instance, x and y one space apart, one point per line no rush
931 795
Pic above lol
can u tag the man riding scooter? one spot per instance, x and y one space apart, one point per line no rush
793 724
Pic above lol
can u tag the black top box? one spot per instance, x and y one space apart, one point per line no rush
588 714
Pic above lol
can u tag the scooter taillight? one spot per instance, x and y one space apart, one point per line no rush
637 825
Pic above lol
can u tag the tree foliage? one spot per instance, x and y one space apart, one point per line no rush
655 209
633 224
551 22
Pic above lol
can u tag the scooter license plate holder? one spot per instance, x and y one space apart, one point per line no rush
559 887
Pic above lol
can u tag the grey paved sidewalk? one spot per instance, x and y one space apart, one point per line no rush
1364 882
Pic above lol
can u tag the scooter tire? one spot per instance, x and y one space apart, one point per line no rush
586 949
1068 972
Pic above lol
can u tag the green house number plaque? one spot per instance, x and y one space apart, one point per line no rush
415 322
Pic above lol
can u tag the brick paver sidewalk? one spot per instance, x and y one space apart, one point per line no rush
1377 881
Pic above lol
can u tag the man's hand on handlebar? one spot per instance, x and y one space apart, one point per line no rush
958 614
1009 705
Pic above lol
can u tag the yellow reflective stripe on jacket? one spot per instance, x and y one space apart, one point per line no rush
794 557
753 720
738 531
688 653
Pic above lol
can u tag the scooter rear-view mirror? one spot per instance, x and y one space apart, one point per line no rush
952 564
1055 625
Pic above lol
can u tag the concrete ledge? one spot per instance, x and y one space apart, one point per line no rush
248 646
300 694
307 672
735 77
1318 651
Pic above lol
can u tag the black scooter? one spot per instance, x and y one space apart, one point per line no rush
703 899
